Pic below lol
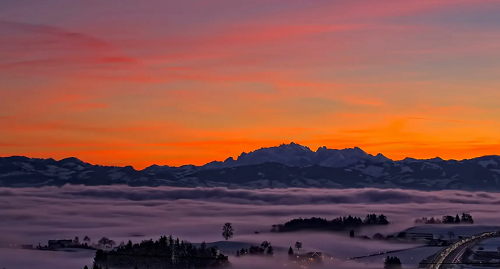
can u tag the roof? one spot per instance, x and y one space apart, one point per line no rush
60 241
310 254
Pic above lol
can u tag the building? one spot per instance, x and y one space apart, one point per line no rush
308 257
421 236
53 244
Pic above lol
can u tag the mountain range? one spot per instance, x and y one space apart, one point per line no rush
285 166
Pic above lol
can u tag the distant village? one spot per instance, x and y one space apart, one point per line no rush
182 254
68 244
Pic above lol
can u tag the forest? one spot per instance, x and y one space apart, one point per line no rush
337 224
165 252
465 219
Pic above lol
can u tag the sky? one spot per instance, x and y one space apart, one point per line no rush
188 82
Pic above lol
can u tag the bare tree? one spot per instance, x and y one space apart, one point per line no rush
451 234
227 231
104 241
298 245
86 239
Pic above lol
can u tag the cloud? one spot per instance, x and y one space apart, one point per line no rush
45 49
32 215
250 70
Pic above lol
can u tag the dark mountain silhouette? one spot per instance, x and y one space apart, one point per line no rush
285 166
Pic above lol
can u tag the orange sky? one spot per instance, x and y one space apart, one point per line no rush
188 82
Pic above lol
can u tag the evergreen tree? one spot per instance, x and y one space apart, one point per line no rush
270 250
392 263
451 234
457 219
290 251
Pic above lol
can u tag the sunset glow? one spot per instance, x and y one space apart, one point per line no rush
188 82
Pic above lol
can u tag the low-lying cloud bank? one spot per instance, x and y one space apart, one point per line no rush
32 215
266 196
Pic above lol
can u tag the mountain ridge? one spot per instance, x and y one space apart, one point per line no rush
244 154
286 166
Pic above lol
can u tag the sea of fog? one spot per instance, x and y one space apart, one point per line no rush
36 215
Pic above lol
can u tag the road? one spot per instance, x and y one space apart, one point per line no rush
452 255
384 253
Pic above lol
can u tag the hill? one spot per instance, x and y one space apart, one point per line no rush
285 166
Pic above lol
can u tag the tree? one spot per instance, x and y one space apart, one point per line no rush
103 241
265 244
270 250
378 236
237 253
392 263
76 241
111 243
451 234
227 231
457 219
86 239
448 219
467 218
298 245
290 251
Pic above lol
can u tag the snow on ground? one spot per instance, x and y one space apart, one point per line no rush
430 166
491 244
444 229
374 171
34 215
16 173
488 162
409 258
406 169
313 182
29 259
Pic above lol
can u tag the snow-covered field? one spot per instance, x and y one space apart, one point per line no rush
32 216
31 259
491 244
410 258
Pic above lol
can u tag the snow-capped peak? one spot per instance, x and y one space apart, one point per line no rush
294 154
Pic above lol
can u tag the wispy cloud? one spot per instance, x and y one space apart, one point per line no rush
210 81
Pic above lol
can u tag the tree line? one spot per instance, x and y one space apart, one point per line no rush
339 223
166 252
392 263
447 219
265 249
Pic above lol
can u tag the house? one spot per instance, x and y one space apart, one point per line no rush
307 257
422 236
64 243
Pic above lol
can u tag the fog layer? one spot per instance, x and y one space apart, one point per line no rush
35 215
